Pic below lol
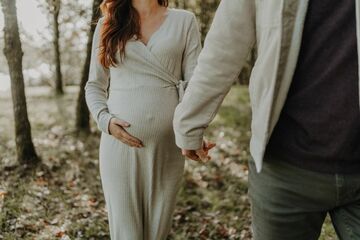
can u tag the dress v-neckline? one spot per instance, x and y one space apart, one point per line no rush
156 31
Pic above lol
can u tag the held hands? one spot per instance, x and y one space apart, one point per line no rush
117 129
200 155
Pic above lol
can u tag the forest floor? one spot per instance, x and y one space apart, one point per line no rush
62 198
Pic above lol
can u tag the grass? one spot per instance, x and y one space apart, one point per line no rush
62 198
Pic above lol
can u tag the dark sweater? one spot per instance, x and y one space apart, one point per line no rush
319 127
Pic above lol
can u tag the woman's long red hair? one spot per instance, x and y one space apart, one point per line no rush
121 23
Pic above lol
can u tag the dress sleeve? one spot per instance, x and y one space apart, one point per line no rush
227 45
97 85
192 49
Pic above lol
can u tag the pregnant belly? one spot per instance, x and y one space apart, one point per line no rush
149 110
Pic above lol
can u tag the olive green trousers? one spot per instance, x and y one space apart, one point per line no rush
290 203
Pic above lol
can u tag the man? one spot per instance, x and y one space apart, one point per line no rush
304 92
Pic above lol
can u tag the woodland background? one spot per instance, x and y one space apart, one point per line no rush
49 179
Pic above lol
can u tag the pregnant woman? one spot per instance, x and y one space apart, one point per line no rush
143 54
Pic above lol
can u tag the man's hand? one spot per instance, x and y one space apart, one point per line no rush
200 154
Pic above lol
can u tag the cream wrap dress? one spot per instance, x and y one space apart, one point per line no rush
140 185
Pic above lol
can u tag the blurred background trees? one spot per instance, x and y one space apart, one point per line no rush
61 54
47 47
58 58
25 150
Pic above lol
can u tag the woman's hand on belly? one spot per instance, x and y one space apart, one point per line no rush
117 129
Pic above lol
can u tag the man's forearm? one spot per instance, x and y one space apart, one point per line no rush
227 45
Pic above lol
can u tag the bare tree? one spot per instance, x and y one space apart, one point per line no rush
82 112
54 6
25 149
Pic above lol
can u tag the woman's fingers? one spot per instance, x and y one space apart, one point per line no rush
117 129
204 152
209 145
121 123
203 155
131 139
191 154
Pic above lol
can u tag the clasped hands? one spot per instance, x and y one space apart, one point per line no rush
117 129
200 155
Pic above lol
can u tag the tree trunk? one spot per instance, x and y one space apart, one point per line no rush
58 76
184 4
82 122
25 149
176 3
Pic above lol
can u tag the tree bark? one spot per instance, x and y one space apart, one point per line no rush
58 76
82 112
25 149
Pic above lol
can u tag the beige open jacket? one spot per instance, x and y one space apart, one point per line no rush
275 27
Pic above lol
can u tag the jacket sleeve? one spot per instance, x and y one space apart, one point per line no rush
96 87
227 45
192 49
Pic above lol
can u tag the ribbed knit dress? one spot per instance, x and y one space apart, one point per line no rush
140 185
